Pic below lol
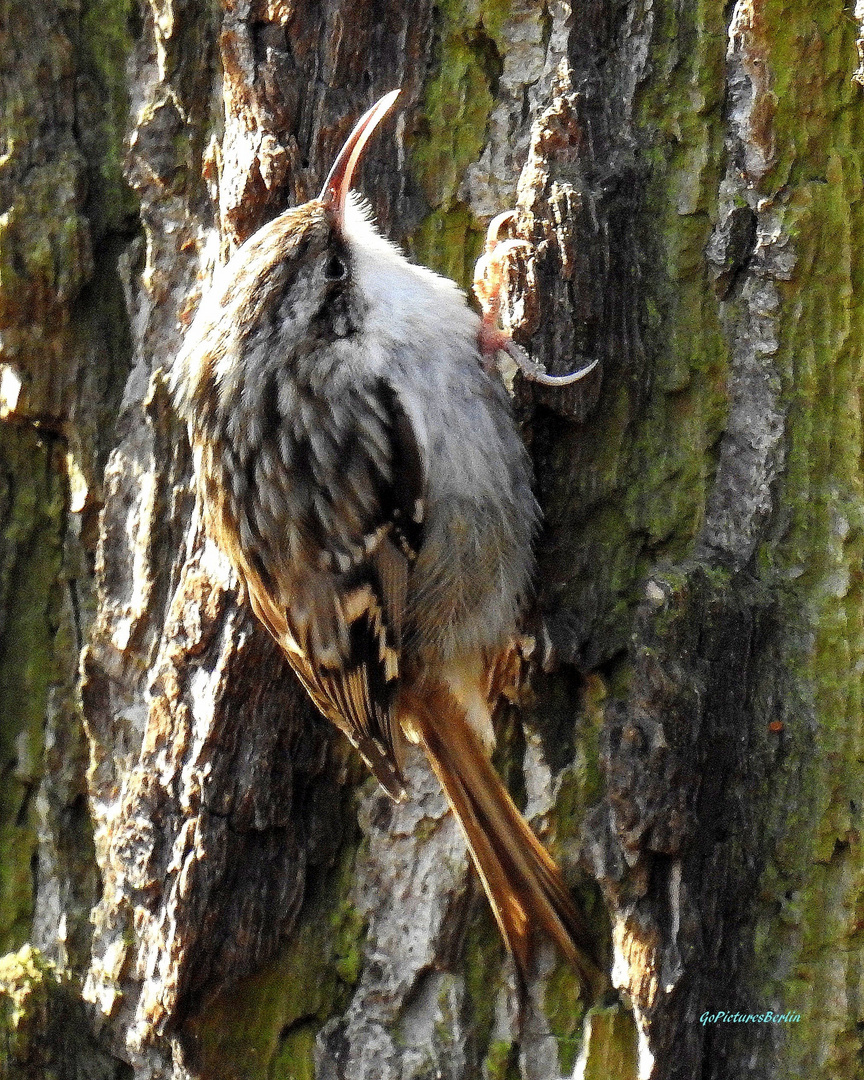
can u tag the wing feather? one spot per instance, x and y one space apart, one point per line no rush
339 615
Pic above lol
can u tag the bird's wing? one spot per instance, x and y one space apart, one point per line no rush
361 527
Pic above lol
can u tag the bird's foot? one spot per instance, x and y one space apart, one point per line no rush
490 287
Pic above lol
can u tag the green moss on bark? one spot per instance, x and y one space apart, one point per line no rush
32 507
483 979
106 42
43 1025
64 194
64 323
564 1007
502 1061
613 1046
814 889
807 120
265 1025
628 488
458 101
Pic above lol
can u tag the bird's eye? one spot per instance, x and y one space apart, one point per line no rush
335 269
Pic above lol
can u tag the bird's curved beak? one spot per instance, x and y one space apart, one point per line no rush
334 194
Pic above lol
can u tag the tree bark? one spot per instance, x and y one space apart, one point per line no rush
197 878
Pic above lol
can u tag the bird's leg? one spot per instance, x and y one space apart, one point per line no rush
490 285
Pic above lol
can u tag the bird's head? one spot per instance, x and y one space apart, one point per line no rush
286 291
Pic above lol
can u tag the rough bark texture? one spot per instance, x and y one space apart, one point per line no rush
212 886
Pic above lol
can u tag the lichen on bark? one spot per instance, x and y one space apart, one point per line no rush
65 345
689 177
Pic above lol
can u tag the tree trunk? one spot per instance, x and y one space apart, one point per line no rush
197 877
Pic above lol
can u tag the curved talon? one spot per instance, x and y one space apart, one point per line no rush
488 272
493 231
488 288
534 373
503 249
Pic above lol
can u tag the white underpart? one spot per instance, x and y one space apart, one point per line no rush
464 679
406 303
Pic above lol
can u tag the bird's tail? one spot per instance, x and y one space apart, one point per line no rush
524 886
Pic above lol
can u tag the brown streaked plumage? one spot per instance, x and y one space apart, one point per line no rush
360 467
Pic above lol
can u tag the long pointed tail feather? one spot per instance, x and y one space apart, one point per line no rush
523 884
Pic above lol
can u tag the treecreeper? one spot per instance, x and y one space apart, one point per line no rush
357 461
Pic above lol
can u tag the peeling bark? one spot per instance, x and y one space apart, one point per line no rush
690 179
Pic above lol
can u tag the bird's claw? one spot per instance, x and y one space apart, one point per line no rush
490 283
490 286
533 372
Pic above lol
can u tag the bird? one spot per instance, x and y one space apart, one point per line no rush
358 462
